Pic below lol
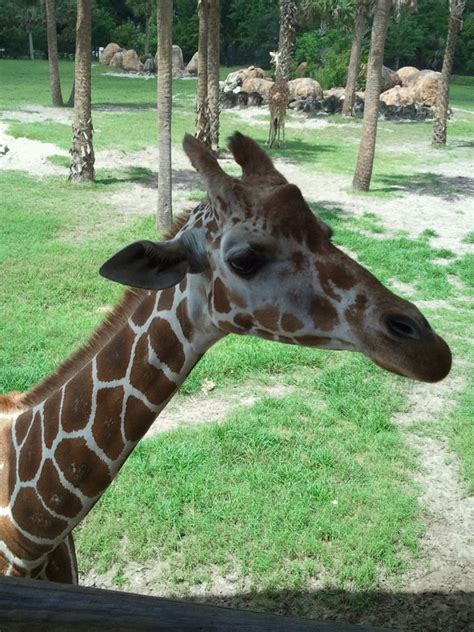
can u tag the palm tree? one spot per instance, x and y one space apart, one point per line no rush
213 65
81 167
54 79
202 104
354 62
456 9
288 14
365 159
164 215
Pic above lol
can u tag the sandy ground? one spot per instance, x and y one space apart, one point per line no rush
438 593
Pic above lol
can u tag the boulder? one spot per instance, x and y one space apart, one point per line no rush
238 77
177 60
131 61
149 65
302 68
425 84
339 93
406 73
390 79
400 96
117 60
304 88
256 84
192 66
108 53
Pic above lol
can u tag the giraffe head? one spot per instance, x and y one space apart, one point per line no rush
263 264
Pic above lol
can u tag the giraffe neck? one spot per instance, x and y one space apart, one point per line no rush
67 449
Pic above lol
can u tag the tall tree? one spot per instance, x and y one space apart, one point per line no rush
164 215
354 62
365 158
286 44
81 167
54 80
213 65
456 9
202 102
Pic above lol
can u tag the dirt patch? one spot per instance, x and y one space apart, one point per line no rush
23 154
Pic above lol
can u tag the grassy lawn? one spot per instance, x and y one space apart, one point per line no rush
318 483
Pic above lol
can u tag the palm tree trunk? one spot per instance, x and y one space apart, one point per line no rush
54 80
354 62
202 104
213 65
81 167
365 159
440 121
30 44
164 16
286 44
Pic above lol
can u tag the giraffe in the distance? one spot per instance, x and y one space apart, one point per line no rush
253 260
277 103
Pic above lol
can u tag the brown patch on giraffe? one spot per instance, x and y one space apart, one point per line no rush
165 301
354 312
77 401
106 428
267 317
54 494
144 310
51 419
221 301
18 544
291 323
112 361
183 284
148 379
237 299
184 320
261 333
30 514
324 315
29 458
299 261
82 467
167 346
60 566
22 424
331 275
244 321
7 463
228 327
312 341
138 418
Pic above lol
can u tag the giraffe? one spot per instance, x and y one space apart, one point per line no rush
278 103
252 260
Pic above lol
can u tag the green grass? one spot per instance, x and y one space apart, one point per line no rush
318 481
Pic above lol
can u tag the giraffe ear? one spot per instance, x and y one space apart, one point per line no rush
202 159
156 265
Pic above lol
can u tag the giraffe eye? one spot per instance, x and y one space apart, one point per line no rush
246 264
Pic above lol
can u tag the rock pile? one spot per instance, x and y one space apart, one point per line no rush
117 57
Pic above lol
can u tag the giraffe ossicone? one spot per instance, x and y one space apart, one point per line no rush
252 260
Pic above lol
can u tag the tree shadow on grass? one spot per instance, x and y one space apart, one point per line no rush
417 612
122 107
183 179
445 187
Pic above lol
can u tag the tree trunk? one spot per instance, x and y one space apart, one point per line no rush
70 101
164 16
147 35
286 44
213 65
365 159
354 62
81 167
30 44
440 121
202 104
54 80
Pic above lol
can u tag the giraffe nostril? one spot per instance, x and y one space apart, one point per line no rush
402 326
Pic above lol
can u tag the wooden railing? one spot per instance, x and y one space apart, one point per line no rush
36 606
